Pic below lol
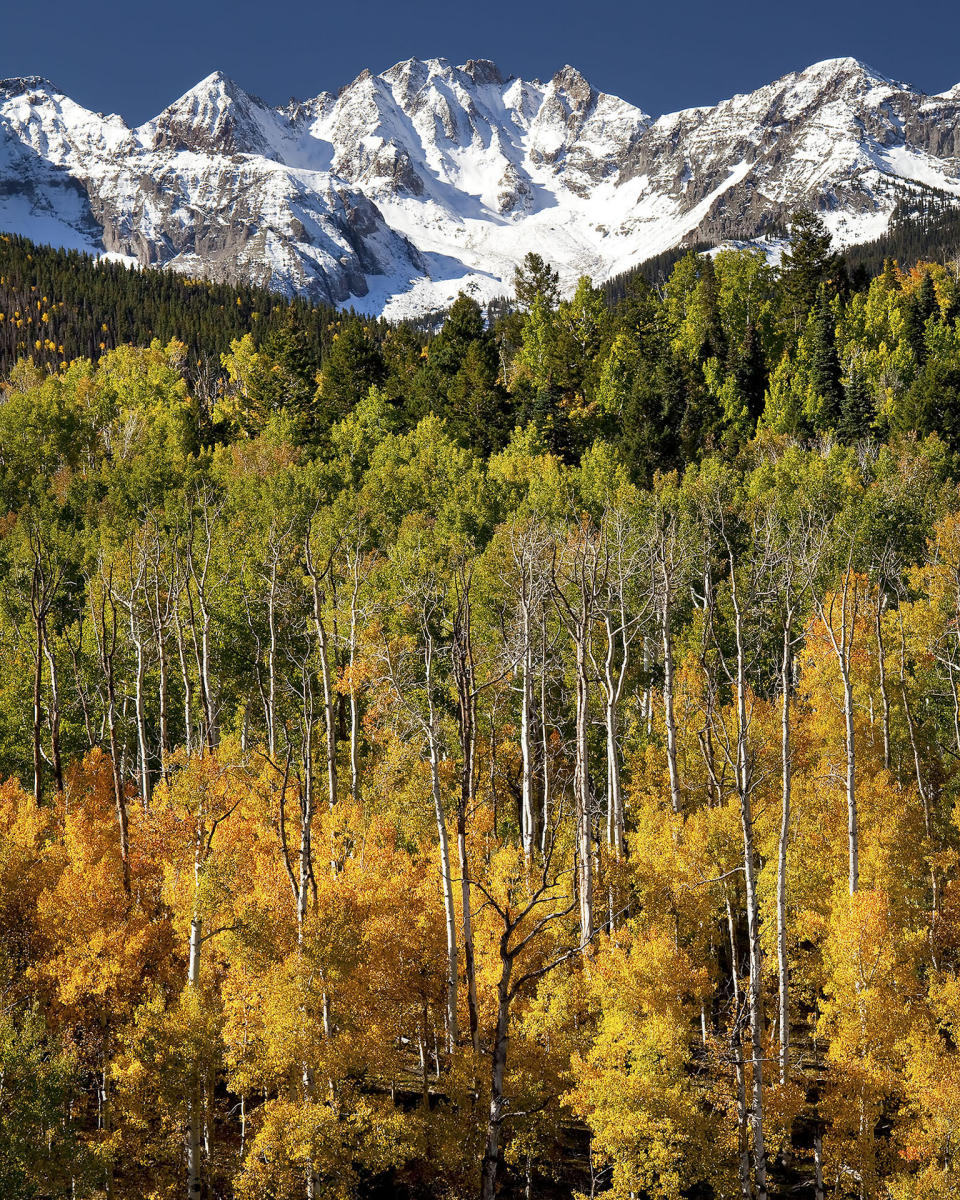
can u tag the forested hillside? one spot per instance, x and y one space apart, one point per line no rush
920 229
519 760
58 305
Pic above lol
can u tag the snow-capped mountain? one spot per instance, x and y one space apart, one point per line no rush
410 186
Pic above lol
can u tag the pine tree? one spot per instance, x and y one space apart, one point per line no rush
918 309
750 372
353 365
824 363
713 342
536 278
807 266
857 411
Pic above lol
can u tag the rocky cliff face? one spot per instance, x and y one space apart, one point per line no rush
410 186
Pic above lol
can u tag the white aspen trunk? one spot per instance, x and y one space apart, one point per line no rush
582 788
194 1101
545 755
213 732
305 873
743 1135
55 758
103 1104
914 745
143 752
783 966
756 1009
185 675
466 904
354 713
204 732
207 1121
453 1032
955 693
433 747
732 937
613 680
139 707
424 1059
327 1017
107 661
123 745
882 668
648 690
467 704
329 714
272 662
468 721
852 817
354 740
304 879
208 689
614 798
160 617
196 941
843 649
311 1174
37 694
162 689
668 712
527 817
755 996
201 646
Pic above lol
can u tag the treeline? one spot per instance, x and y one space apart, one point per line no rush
654 270
921 228
402 801
59 305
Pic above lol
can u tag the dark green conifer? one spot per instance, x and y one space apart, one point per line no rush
858 410
824 368
535 277
353 364
807 266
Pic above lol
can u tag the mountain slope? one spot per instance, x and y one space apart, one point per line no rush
431 178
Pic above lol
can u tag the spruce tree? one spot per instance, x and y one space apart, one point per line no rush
536 278
824 363
713 342
857 411
808 265
917 311
352 366
750 372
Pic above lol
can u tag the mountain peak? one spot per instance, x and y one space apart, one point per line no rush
844 68
216 78
215 116
215 85
482 70
19 84
569 79
574 89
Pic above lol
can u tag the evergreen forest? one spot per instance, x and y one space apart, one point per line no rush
516 755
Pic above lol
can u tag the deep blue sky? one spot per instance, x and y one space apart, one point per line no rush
134 58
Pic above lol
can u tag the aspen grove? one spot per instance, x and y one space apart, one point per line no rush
401 802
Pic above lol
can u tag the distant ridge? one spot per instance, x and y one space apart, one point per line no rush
409 186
